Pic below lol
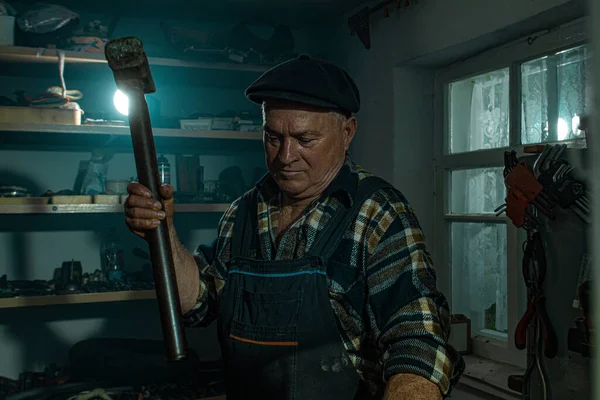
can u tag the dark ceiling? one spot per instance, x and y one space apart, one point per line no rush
290 12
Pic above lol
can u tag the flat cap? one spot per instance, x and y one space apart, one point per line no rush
310 81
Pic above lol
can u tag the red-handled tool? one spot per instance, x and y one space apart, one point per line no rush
534 273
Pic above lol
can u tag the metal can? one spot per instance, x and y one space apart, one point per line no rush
164 170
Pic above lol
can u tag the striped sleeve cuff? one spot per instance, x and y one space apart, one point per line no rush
425 357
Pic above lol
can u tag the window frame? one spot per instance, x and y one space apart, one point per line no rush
512 55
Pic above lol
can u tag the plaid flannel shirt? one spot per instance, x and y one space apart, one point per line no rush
404 325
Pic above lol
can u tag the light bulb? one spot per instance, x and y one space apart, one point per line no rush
121 102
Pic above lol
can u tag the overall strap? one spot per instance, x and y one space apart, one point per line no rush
244 235
331 236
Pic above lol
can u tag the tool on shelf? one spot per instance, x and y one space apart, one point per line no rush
128 61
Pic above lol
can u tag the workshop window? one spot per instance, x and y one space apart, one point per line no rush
529 92
479 112
556 88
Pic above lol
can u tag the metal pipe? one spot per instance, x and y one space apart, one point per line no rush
159 241
132 73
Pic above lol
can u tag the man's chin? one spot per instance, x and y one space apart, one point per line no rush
291 187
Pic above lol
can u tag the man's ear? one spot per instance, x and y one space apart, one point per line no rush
348 130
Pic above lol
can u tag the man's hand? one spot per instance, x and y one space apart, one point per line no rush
142 213
411 387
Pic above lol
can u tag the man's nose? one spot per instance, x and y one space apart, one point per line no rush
287 151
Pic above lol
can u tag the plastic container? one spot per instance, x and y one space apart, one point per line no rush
7 30
111 254
164 170
118 186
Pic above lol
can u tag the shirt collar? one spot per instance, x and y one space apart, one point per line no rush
343 186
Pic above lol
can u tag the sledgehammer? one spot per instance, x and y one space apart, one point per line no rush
127 59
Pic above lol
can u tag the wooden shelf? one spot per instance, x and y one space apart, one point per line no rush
14 136
36 301
100 208
41 55
124 131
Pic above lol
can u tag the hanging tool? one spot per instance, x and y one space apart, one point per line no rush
534 331
534 274
525 195
555 174
535 366
530 193
580 338
127 59
549 183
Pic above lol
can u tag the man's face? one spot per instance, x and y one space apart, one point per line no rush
304 146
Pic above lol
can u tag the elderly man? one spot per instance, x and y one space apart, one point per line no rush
319 278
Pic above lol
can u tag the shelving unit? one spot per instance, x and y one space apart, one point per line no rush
83 298
42 63
99 208
78 137
42 55
124 131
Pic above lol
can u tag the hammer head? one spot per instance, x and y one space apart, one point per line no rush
128 61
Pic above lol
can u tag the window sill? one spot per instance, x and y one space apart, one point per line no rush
499 351
490 377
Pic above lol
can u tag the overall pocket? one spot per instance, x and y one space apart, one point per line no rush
263 344
267 309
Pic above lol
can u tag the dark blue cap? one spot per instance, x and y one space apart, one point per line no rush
309 81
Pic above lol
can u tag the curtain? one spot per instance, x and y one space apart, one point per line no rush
566 75
482 265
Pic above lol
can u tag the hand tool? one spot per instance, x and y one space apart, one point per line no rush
534 273
535 365
525 194
559 185
534 331
127 60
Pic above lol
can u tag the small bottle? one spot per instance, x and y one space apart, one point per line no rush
200 180
164 170
112 257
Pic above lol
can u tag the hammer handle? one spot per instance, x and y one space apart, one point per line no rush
159 242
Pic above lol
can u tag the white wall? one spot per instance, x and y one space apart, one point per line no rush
395 78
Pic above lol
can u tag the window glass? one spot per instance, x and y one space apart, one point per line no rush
479 112
479 276
556 92
477 191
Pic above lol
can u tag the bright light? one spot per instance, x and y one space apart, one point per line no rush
121 102
575 125
562 129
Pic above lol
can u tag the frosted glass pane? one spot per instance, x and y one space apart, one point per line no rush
479 275
477 191
557 87
479 112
